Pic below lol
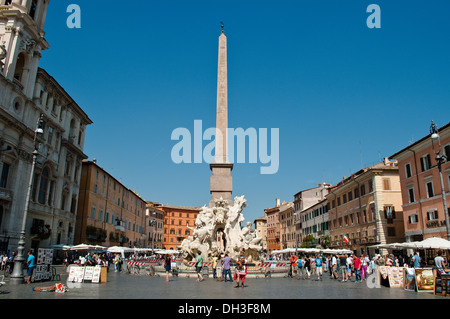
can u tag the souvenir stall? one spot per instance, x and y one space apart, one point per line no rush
425 278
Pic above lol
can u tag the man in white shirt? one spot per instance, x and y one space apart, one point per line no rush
334 267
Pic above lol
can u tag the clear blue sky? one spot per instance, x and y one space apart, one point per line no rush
343 96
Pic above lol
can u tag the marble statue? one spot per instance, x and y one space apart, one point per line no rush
218 231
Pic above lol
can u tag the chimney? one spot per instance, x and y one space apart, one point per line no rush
386 161
94 161
277 202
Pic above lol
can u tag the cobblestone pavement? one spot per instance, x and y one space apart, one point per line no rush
121 285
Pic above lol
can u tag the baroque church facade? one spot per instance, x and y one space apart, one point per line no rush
30 97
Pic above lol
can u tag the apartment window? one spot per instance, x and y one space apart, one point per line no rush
389 212
430 190
386 184
432 214
356 191
425 162
50 135
4 177
447 151
412 198
93 213
344 198
363 190
370 186
408 171
413 219
339 201
350 196
391 231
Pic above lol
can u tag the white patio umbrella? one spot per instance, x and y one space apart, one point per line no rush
430 243
82 247
61 246
118 249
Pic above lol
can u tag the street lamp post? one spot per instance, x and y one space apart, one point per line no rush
17 276
440 159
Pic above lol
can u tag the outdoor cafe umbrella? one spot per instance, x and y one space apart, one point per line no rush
82 247
390 246
118 249
429 243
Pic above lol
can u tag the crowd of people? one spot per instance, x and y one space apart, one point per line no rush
221 266
346 266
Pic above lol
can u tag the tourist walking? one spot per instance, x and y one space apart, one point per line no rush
199 266
299 267
349 264
313 265
343 267
241 271
226 268
357 267
167 265
333 271
319 269
219 268
214 259
308 266
364 264
293 266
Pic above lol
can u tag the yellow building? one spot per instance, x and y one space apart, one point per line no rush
366 209
109 214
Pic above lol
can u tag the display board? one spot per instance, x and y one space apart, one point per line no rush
88 273
395 275
76 274
392 276
96 274
44 262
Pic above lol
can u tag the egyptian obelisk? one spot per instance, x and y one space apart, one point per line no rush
221 180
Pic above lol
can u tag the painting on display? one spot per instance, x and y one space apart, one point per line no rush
424 279
395 276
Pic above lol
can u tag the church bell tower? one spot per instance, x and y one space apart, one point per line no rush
22 41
